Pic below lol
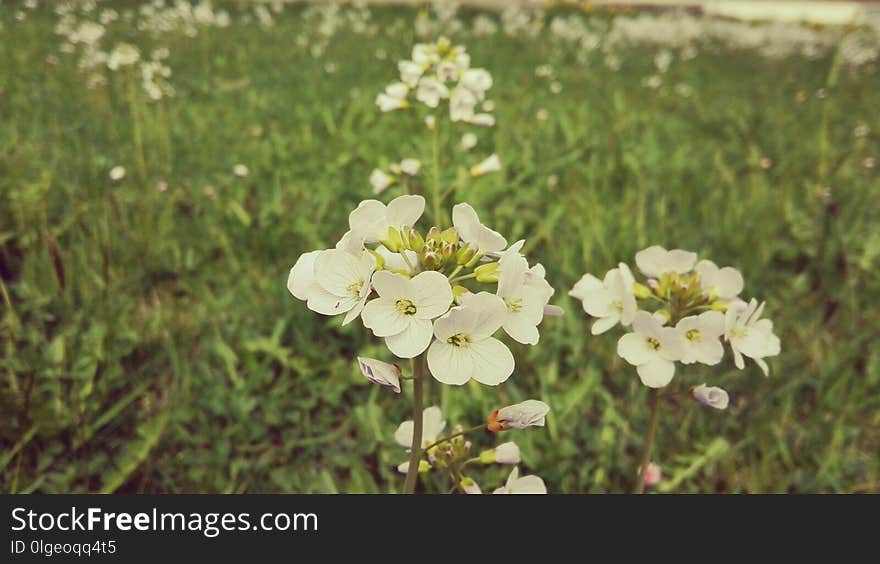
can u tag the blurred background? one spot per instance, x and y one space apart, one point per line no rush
163 164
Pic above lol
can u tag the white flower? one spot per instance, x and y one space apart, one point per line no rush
725 283
240 170
394 97
461 105
117 173
468 141
403 311
652 349
430 91
656 260
525 294
395 261
341 282
123 55
711 396
432 425
506 453
430 122
701 338
483 120
410 166
465 349
380 181
530 413
371 220
750 335
477 81
490 164
610 300
467 223
524 485
382 373
410 72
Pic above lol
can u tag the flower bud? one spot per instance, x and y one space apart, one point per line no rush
465 254
458 291
720 306
530 413
450 236
711 396
381 373
469 486
433 234
432 260
641 291
412 239
424 466
507 453
487 273
448 251
653 474
393 241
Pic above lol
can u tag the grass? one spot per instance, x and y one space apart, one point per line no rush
149 343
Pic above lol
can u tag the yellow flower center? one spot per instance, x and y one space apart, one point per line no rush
459 340
355 287
653 343
514 304
739 332
405 307
694 336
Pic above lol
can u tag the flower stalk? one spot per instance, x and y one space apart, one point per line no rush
648 444
412 473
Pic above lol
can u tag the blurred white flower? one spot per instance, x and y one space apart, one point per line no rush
522 485
469 486
380 181
711 396
410 166
506 453
432 425
124 54
381 373
490 164
117 173
403 311
240 170
464 347
468 141
430 91
394 97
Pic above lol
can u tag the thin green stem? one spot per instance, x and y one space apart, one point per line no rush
454 272
465 277
649 440
437 198
407 261
453 435
415 456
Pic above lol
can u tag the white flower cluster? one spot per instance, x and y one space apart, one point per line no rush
404 288
698 309
441 72
453 452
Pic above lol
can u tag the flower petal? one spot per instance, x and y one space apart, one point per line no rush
431 294
413 340
656 373
381 315
492 361
405 210
450 364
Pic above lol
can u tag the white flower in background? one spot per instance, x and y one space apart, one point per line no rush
711 396
488 106
337 282
483 120
410 166
430 91
468 141
381 373
123 55
410 72
655 261
610 300
394 97
370 221
240 170
725 283
117 173
530 413
477 81
467 223
522 485
701 338
506 453
403 311
380 181
490 164
430 122
432 425
465 349
525 294
652 349
461 105
750 335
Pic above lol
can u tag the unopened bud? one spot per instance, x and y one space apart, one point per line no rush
431 260
433 234
487 273
393 240
641 291
450 236
465 254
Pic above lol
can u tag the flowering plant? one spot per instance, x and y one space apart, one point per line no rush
684 312
437 296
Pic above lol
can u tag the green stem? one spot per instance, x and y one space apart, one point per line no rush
437 198
465 277
412 473
649 440
453 435
136 128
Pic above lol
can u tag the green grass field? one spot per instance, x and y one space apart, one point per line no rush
149 343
